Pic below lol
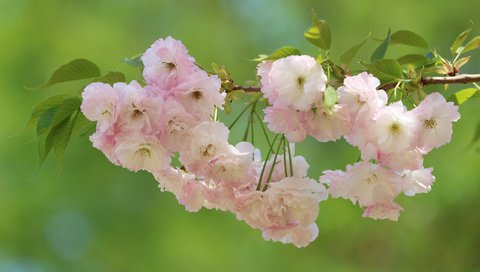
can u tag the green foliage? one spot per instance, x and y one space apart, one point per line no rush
381 50
386 70
319 34
75 70
408 38
471 45
462 96
347 57
135 61
111 77
282 52
459 41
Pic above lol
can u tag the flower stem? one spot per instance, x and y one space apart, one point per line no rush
265 164
290 159
273 163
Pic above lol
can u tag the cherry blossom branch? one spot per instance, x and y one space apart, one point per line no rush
465 78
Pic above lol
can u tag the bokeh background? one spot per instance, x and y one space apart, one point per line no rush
99 217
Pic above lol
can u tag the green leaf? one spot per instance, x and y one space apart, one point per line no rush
462 96
83 126
57 114
282 52
61 139
330 97
412 59
459 40
319 34
135 61
75 70
45 105
408 38
472 44
385 69
379 53
111 78
347 57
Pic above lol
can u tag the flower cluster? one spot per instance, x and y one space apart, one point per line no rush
391 139
144 127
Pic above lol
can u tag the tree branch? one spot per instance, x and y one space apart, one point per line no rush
465 78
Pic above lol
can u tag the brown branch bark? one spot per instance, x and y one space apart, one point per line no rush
465 78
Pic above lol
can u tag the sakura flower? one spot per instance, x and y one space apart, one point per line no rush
192 195
328 125
372 185
140 110
207 141
394 128
287 121
200 94
286 211
359 93
435 117
167 64
141 152
100 103
417 181
105 142
176 125
295 81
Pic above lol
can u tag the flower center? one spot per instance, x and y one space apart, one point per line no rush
143 152
372 178
395 128
136 113
197 95
170 66
430 123
208 151
300 82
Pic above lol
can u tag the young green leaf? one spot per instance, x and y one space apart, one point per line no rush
459 40
61 139
330 97
111 78
319 34
282 52
135 61
379 53
83 126
75 70
57 114
472 44
462 96
413 59
45 105
347 57
408 38
385 69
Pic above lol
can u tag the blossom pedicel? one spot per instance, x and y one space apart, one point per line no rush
143 127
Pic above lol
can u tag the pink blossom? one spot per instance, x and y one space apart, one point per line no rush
200 94
389 210
167 64
176 123
141 152
435 117
295 81
394 128
417 181
285 210
328 125
369 184
208 140
105 142
140 110
100 103
287 121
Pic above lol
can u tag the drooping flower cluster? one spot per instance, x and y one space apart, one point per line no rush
143 127
392 140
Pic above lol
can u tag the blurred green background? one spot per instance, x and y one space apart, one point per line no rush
99 217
